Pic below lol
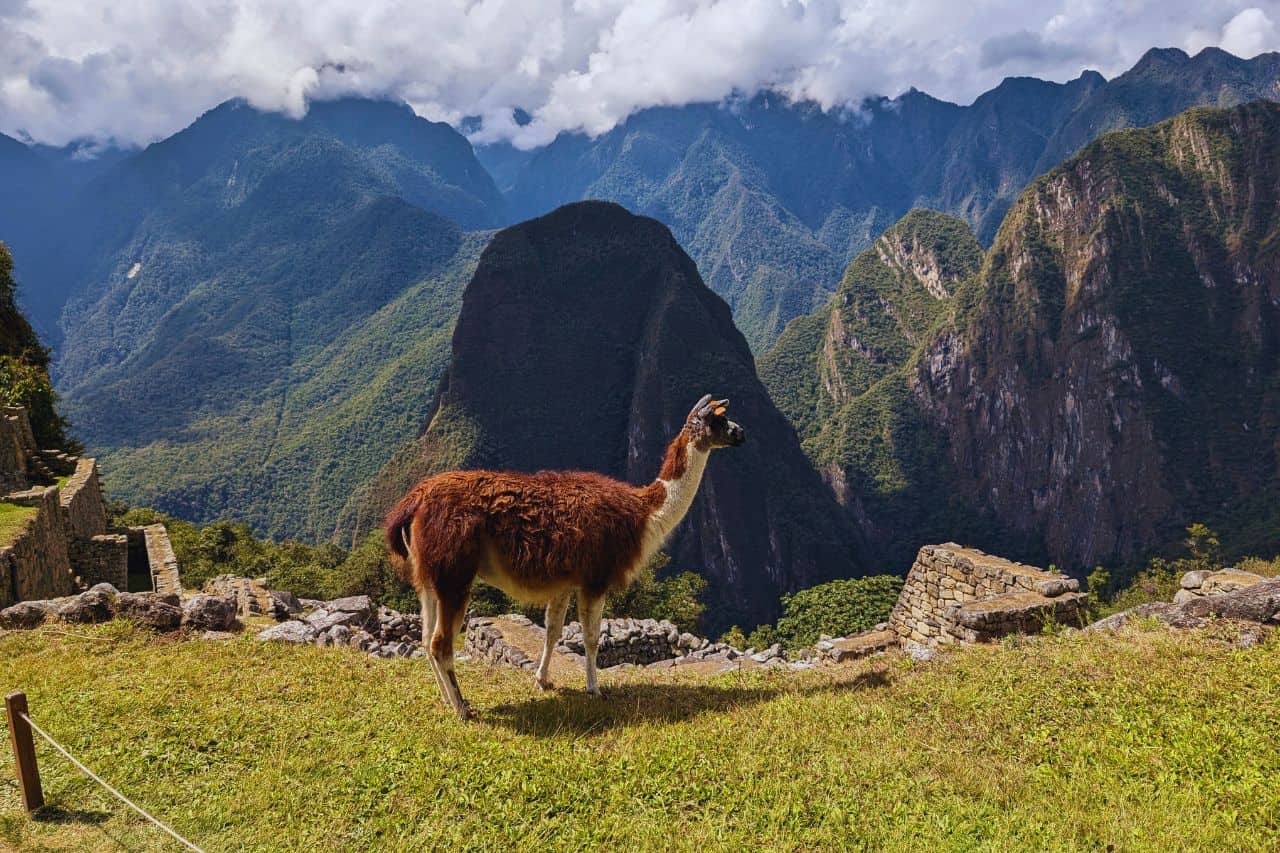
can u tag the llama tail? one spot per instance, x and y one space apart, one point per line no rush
396 529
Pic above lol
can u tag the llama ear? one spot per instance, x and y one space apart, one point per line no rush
700 407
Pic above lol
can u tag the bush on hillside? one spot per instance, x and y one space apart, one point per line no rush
25 384
1161 579
838 608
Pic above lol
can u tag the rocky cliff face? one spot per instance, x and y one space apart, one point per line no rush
774 198
888 300
584 337
1109 375
1114 373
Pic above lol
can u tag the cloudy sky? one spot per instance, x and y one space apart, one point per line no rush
137 70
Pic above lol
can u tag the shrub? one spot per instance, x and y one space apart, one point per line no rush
1160 580
734 637
763 637
1259 566
23 383
838 608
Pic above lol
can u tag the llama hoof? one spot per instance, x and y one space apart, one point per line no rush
465 713
543 684
598 693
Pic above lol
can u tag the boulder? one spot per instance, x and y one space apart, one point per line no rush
1182 596
285 601
157 612
292 631
1172 615
359 609
209 612
1194 580
94 605
1258 602
323 620
26 614
1229 580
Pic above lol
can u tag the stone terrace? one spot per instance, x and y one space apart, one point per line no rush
66 544
957 594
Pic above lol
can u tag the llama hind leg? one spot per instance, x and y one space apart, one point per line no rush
448 623
430 608
591 609
556 609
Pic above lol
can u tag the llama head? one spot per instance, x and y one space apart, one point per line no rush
708 428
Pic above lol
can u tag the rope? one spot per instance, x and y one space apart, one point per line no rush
94 776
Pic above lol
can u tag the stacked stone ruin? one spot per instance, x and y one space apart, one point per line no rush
955 594
67 544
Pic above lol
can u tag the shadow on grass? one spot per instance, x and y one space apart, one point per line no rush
573 712
54 813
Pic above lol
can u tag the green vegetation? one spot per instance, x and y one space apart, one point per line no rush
24 368
13 519
1152 740
1139 277
287 452
1161 578
310 571
838 608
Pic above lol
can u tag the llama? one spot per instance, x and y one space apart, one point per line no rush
540 537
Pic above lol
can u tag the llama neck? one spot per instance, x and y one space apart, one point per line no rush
679 480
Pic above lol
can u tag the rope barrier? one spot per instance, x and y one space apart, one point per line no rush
94 776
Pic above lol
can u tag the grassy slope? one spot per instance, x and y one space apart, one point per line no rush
12 519
1150 740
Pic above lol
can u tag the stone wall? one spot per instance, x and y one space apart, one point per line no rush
164 565
956 594
17 446
101 559
38 565
83 511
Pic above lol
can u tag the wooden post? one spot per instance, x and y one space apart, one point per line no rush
24 751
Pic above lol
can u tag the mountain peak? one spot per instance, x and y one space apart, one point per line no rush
584 337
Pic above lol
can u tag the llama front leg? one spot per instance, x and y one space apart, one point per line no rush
591 611
448 623
427 601
556 609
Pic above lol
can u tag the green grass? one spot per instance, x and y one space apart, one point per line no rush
1147 741
12 519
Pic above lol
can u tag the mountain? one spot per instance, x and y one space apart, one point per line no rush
584 337
33 187
265 303
774 198
888 300
840 375
24 368
234 159
17 338
1109 375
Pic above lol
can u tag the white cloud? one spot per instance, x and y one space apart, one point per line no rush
136 71
1249 33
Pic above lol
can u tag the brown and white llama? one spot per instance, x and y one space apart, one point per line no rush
540 537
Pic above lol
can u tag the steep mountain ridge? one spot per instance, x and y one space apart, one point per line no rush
774 198
1118 374
236 166
1111 374
584 337
263 253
